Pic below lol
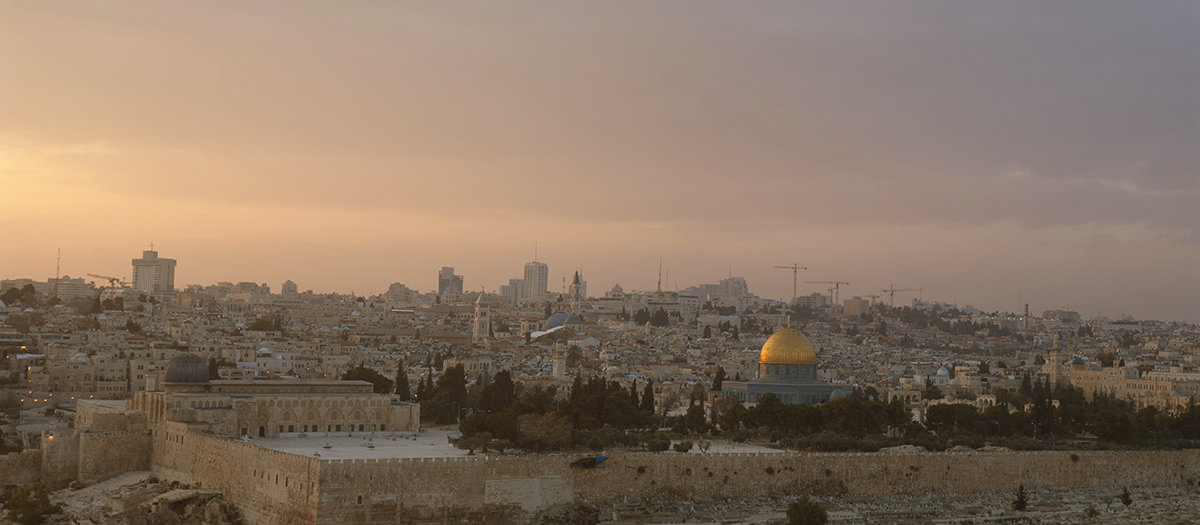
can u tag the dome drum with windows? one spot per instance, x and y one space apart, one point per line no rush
787 355
787 370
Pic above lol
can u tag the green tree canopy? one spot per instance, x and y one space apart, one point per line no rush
718 378
403 391
381 385
30 504
805 511
499 394
266 324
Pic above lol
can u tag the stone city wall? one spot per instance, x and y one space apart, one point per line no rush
267 486
19 468
507 488
103 416
60 457
103 455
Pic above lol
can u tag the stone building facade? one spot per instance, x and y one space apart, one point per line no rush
272 408
163 432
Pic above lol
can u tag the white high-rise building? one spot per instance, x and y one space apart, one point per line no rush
154 275
537 277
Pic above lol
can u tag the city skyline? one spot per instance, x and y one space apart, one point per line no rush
960 149
307 262
910 293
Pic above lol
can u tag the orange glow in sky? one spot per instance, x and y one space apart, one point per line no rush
350 145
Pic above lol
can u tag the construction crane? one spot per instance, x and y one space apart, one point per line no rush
795 268
891 291
113 282
833 289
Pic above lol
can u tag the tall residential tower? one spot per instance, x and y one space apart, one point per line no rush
537 276
448 283
154 275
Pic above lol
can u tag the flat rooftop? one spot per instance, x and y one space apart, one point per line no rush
112 403
429 443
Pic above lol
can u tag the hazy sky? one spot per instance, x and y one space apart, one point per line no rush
982 150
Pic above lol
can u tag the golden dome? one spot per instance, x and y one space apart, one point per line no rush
788 347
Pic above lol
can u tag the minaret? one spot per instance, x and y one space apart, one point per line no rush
1055 364
483 322
659 274
559 360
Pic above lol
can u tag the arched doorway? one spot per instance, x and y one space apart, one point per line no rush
262 432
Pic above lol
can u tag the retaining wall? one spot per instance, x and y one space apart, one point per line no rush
502 488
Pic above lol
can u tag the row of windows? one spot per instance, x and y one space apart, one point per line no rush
333 414
207 404
789 399
324 403
317 428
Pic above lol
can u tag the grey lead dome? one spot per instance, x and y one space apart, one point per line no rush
186 368
561 318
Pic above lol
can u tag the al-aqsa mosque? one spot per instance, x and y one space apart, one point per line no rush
787 367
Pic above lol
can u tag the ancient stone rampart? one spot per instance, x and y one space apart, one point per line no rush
103 455
19 468
267 486
507 488
60 457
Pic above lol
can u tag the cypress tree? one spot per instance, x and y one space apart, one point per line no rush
402 389
718 378
648 397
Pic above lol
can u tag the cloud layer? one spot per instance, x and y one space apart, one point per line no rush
863 137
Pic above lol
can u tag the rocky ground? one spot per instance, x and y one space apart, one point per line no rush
1179 505
138 498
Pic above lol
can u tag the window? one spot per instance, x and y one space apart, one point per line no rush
291 428
339 428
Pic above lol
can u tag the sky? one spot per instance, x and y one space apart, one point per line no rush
991 153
